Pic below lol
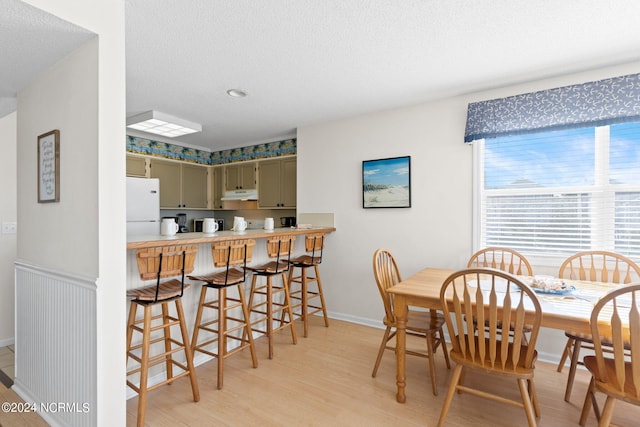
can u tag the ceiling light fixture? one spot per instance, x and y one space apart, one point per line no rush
236 93
162 124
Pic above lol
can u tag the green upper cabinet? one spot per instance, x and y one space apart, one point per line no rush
218 186
137 166
277 183
189 186
194 186
181 185
241 176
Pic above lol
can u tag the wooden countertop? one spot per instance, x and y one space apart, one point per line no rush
140 242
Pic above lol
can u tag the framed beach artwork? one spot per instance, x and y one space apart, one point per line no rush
386 183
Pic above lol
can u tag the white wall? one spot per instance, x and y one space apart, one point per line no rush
8 213
88 225
67 228
436 230
330 180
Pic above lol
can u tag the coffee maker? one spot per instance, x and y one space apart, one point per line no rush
288 221
181 220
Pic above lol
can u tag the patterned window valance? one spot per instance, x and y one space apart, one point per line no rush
609 101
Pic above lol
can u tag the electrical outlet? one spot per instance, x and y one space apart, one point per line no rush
9 227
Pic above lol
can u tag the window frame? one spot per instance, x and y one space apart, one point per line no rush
602 214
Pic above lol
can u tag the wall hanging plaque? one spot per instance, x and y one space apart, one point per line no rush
49 167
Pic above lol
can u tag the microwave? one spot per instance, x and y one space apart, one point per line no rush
197 224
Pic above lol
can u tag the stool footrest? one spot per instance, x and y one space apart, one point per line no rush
168 381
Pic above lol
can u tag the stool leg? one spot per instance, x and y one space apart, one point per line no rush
324 307
133 307
196 327
269 327
287 301
291 280
247 325
247 317
253 288
187 350
144 366
222 335
305 300
167 340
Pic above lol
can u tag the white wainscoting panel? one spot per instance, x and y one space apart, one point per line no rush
56 344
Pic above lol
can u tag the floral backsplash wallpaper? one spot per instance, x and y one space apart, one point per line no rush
149 147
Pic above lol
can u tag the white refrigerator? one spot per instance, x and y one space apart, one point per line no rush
143 206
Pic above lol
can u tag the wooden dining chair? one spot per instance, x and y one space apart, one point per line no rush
426 324
497 297
615 371
503 259
594 266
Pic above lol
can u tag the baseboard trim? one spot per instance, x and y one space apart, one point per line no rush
5 380
7 342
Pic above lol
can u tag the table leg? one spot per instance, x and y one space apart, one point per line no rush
401 312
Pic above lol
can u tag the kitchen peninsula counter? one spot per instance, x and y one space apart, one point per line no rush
141 242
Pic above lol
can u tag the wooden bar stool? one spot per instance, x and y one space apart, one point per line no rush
302 297
269 308
226 325
160 263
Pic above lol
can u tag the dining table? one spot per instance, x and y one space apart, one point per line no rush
570 310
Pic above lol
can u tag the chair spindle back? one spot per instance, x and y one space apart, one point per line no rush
493 297
600 266
504 259
387 275
617 316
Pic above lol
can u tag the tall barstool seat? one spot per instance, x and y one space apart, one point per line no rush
226 325
160 263
305 300
273 303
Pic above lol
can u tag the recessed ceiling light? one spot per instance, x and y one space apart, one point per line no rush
162 124
236 93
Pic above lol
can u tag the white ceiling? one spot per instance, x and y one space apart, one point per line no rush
310 61
30 41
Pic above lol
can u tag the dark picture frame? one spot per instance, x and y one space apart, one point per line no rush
386 183
49 167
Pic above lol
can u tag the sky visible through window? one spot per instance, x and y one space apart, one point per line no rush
625 154
560 158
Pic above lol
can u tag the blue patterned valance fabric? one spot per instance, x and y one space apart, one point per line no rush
603 102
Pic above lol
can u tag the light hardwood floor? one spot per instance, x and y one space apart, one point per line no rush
7 360
325 380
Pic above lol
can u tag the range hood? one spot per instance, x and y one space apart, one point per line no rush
240 195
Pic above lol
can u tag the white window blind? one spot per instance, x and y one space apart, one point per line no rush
557 193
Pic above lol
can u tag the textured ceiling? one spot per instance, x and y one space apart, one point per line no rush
309 61
30 41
